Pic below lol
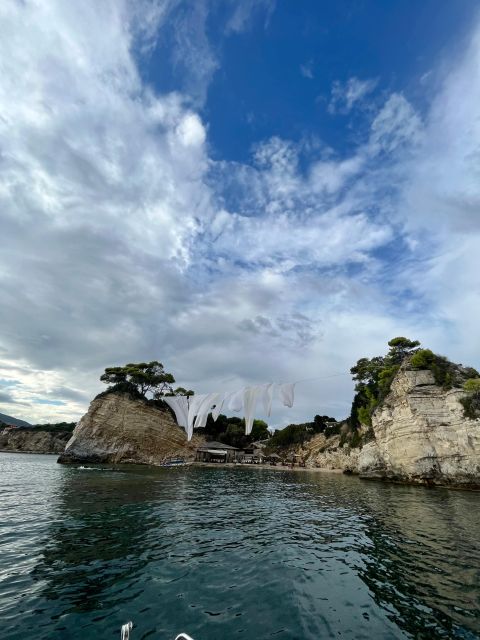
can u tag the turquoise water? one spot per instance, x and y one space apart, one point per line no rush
225 552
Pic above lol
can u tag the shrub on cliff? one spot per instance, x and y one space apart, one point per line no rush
355 438
446 374
471 405
422 359
471 402
472 385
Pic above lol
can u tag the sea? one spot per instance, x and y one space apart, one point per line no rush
232 553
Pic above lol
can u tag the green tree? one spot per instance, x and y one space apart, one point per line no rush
290 435
232 431
400 348
374 377
366 371
181 391
320 423
260 430
144 377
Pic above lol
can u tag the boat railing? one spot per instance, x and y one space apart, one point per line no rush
127 627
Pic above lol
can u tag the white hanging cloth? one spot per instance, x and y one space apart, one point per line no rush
179 406
204 409
192 412
287 391
194 405
250 395
218 406
267 396
235 401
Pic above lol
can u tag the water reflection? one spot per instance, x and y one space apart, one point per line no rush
423 565
95 540
258 553
416 549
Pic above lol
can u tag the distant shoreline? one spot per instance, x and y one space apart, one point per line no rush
232 465
211 465
40 453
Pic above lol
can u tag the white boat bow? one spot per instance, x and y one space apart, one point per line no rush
127 627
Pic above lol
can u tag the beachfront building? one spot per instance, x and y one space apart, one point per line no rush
254 453
216 452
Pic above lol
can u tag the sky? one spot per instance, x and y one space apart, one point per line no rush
245 190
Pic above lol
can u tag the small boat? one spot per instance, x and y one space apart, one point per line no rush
173 462
127 627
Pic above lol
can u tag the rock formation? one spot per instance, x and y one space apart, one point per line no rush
118 429
326 453
421 435
34 441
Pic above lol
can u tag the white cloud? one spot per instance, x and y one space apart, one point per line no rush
306 69
330 176
123 240
191 131
183 43
244 10
396 124
345 95
101 187
441 206
445 188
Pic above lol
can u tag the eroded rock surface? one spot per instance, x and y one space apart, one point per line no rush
34 441
117 429
326 453
422 436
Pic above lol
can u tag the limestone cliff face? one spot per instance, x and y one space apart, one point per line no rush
34 441
117 429
422 436
326 453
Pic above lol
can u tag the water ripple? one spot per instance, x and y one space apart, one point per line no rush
250 552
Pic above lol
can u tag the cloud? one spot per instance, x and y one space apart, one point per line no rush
6 398
396 124
100 191
176 35
306 70
441 205
243 12
345 95
123 239
191 131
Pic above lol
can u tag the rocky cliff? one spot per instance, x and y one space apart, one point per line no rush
421 435
118 429
327 453
34 441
